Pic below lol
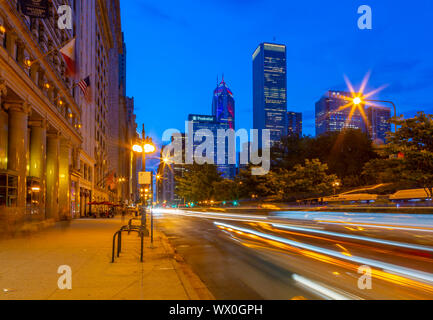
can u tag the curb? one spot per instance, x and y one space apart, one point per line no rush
192 283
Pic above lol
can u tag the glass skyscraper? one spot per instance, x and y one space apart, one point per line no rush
378 123
223 105
270 89
294 123
210 123
329 118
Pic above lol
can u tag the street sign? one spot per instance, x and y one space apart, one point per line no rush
145 178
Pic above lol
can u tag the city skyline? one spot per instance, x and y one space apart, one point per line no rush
311 71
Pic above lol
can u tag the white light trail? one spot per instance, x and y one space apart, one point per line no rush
320 289
361 238
414 274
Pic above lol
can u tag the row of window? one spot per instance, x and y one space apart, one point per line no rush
18 52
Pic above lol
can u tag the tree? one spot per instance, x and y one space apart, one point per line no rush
382 170
308 180
227 190
253 185
291 150
197 184
408 156
345 153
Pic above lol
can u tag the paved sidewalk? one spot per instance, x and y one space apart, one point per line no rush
28 266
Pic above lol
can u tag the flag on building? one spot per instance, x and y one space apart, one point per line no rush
68 53
85 88
111 181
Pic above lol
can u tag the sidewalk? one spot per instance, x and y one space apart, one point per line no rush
28 266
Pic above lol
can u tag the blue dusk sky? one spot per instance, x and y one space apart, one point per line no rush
176 50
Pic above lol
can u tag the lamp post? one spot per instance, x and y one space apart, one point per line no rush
158 178
146 146
335 185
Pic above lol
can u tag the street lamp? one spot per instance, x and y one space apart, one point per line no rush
146 146
357 100
335 185
137 148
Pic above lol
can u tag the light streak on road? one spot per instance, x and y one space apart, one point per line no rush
355 237
213 215
373 225
392 221
321 290
397 270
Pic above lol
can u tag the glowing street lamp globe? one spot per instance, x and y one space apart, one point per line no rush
357 101
149 148
137 148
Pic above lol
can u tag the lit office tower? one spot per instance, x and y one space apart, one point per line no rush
378 123
270 89
223 105
294 123
330 118
210 123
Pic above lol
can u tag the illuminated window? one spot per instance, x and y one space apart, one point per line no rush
33 194
8 190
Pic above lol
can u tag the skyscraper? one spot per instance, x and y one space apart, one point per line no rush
378 123
210 123
270 89
171 171
223 105
330 118
294 123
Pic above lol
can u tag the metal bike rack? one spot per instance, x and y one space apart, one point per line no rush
129 228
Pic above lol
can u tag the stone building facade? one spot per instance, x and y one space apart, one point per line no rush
40 120
53 142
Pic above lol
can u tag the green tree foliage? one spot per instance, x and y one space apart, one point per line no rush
253 186
408 156
291 151
227 190
308 180
344 152
197 184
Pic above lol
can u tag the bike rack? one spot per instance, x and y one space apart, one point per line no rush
135 219
129 228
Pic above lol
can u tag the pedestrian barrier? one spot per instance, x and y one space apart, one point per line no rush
141 230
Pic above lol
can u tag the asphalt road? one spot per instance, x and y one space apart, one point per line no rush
299 255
